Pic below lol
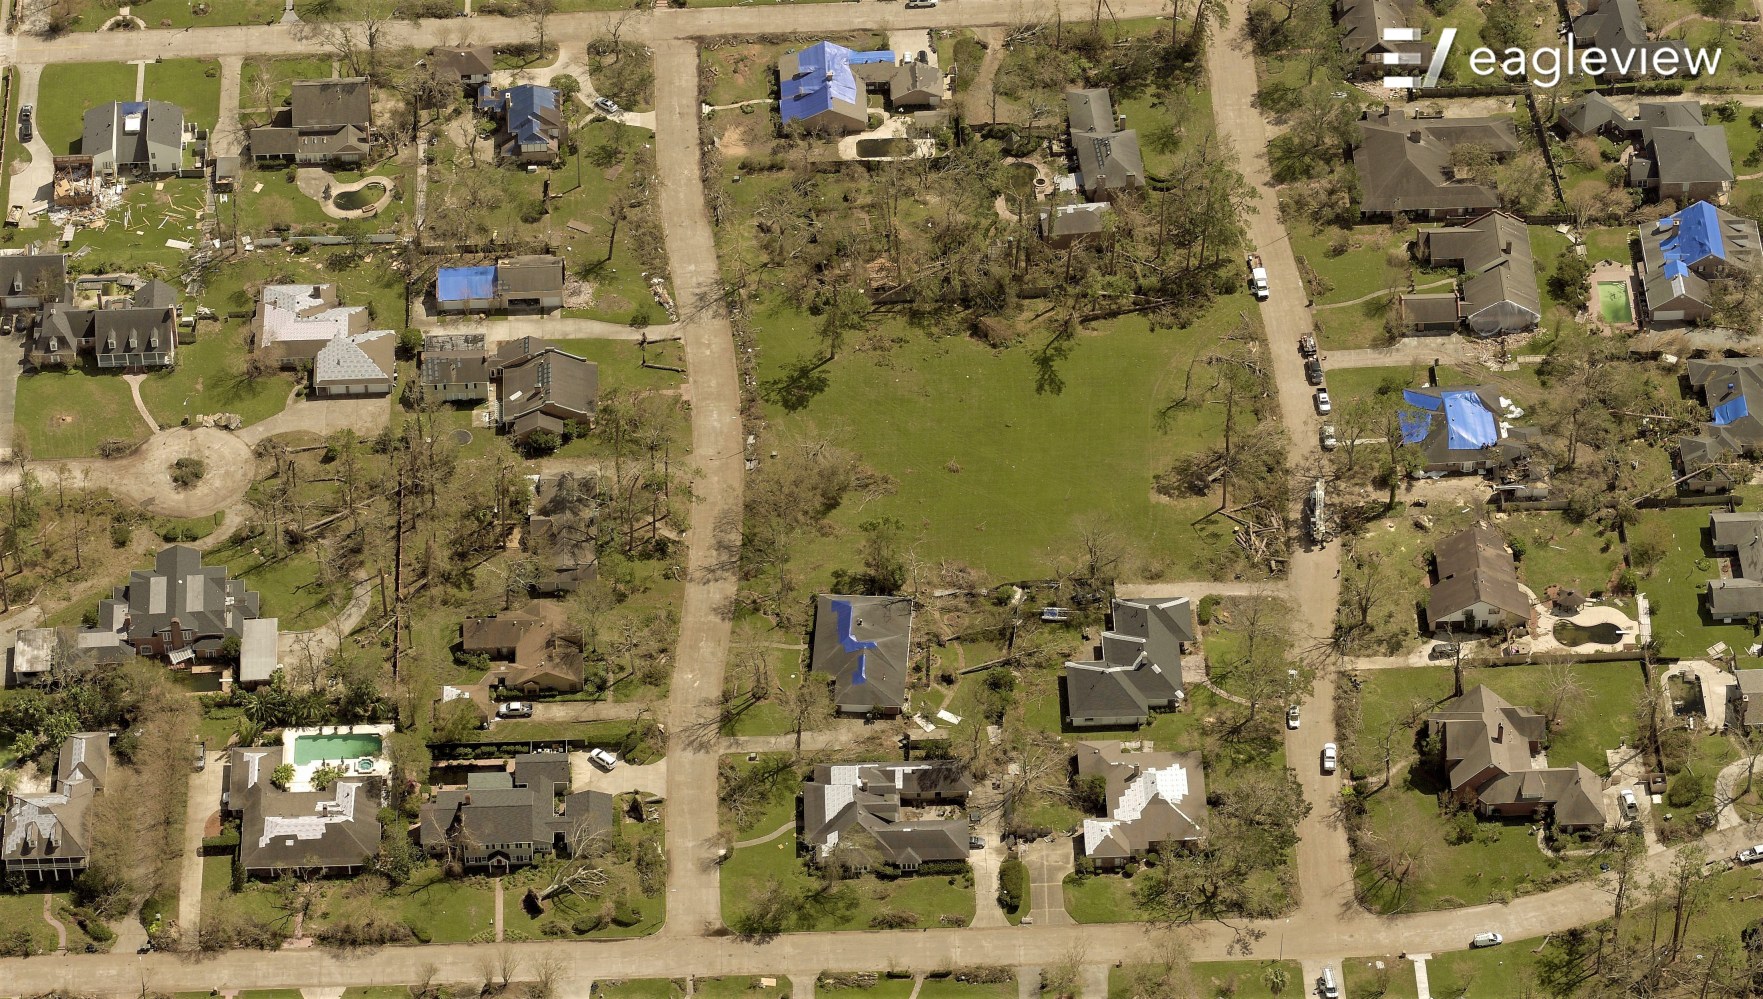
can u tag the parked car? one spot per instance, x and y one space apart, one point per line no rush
1324 405
1307 346
1313 371
1444 650
1327 436
1626 801
1325 984
1292 716
975 843
515 709
1330 758
1488 939
606 105
605 759
920 4
24 123
1750 854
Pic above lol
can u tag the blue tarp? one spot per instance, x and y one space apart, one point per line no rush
460 284
823 75
1731 412
525 103
849 642
861 58
1697 237
1415 426
1468 423
1422 400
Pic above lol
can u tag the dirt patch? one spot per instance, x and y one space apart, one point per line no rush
733 141
63 420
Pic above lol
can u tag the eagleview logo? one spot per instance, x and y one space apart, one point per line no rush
1548 65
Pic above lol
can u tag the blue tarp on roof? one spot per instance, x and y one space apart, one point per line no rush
1422 400
1468 423
1415 426
850 643
525 103
1731 412
460 284
1696 237
860 58
823 75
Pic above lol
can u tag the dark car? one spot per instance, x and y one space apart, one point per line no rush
1313 371
24 123
1444 650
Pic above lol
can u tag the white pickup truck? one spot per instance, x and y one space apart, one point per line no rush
1257 277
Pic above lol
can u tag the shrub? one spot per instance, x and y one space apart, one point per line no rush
120 533
282 776
186 472
589 923
1685 789
1012 884
626 914
894 919
1208 604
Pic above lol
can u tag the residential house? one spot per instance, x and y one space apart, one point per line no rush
1154 800
1404 164
1617 28
180 609
502 820
1363 24
1493 761
1136 669
133 333
907 82
29 282
470 66
1595 115
861 646
1731 387
259 651
455 367
45 836
868 814
1737 537
146 137
1741 694
295 321
334 832
1680 156
357 364
1477 585
560 533
246 768
518 284
1465 430
532 129
326 121
818 89
1067 225
1430 313
1499 290
1108 160
541 387
1684 255
526 654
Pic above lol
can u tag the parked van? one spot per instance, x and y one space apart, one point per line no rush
1325 986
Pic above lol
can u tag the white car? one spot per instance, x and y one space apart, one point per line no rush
605 759
1292 716
1489 939
514 709
1626 801
1327 436
1330 758
1750 854
1323 404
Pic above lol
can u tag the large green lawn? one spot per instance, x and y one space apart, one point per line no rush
210 378
1678 592
1581 557
67 90
985 469
287 584
67 414
1234 979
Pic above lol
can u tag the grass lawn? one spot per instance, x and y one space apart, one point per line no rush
287 585
1235 979
1677 590
737 986
67 414
279 204
949 988
1546 246
1104 898
133 238
850 906
987 452
182 13
1361 976
1582 557
26 911
66 90
360 281
1363 270
210 378
267 83
192 84
1609 243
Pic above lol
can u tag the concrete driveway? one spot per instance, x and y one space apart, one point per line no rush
1049 861
30 187
651 779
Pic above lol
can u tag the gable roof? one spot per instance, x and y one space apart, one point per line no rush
364 357
1494 250
1107 155
1362 24
318 103
818 79
862 643
21 274
1593 113
479 60
134 132
1475 566
515 808
848 804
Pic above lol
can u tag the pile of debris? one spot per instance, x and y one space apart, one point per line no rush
223 421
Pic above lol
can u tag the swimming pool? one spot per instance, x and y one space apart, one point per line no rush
312 748
1613 302
1571 634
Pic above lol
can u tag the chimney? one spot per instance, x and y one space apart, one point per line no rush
1414 135
466 803
1500 733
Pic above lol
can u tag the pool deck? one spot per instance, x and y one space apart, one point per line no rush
1613 272
382 767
